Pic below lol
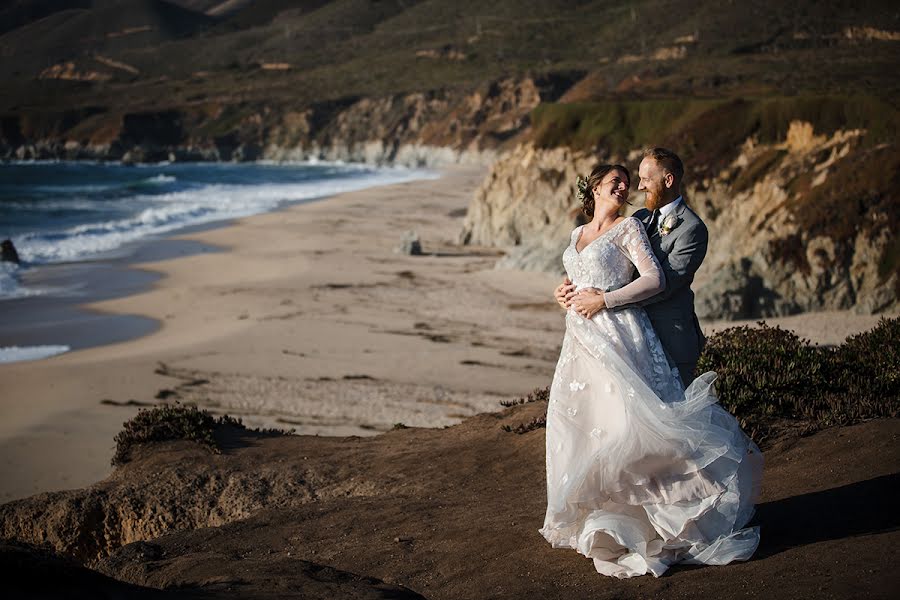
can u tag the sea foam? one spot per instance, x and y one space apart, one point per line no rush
10 354
159 213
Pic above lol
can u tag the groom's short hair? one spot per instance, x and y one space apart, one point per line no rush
668 160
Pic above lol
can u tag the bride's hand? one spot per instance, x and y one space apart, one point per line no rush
588 302
564 292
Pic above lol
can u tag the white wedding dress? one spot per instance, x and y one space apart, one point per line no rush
641 473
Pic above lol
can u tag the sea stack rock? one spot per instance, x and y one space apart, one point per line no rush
9 253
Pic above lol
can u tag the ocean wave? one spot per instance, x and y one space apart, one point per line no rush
161 178
10 286
170 210
9 283
69 189
158 179
10 354
60 161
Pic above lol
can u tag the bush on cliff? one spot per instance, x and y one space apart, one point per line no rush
771 379
707 133
767 374
169 422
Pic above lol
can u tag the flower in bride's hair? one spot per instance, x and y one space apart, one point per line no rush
581 186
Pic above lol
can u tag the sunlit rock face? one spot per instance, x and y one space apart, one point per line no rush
799 225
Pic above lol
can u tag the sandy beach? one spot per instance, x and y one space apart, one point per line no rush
308 319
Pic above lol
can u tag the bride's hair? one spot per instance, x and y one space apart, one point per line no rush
585 187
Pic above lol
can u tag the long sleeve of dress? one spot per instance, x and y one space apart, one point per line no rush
632 240
682 262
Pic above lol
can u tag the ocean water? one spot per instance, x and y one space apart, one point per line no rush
61 214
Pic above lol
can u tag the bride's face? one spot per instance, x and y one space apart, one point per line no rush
612 188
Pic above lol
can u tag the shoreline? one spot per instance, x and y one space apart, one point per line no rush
76 286
306 319
51 310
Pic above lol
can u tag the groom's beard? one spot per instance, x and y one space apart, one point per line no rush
651 202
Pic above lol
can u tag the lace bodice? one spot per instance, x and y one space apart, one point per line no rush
608 264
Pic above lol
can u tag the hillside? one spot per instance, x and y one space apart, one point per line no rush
75 75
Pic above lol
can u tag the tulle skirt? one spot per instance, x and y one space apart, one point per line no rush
641 473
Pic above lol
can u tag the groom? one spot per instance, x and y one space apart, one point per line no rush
679 240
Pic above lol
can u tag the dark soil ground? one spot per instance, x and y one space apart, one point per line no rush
436 513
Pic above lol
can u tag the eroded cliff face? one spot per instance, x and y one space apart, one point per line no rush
527 206
800 225
421 129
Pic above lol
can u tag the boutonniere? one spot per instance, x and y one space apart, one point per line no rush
668 224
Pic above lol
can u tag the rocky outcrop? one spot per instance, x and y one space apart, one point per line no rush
8 252
161 495
177 486
527 205
798 225
30 571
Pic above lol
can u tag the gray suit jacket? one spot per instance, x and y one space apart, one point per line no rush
680 253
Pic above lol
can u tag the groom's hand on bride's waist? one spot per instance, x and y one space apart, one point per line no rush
564 293
588 302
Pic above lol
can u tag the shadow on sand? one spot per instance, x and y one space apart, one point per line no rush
862 508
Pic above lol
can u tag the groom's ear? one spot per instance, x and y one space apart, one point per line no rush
669 180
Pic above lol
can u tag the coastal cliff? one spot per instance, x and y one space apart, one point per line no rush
797 224
420 129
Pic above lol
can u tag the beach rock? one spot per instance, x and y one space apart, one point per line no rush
409 244
8 252
737 291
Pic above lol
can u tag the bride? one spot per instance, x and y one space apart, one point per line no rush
641 473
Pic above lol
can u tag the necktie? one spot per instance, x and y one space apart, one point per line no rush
654 223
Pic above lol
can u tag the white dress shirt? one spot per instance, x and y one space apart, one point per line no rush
668 209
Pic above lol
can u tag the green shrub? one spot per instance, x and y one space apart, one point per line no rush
771 379
618 126
708 133
767 375
535 423
164 423
875 360
536 395
170 422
